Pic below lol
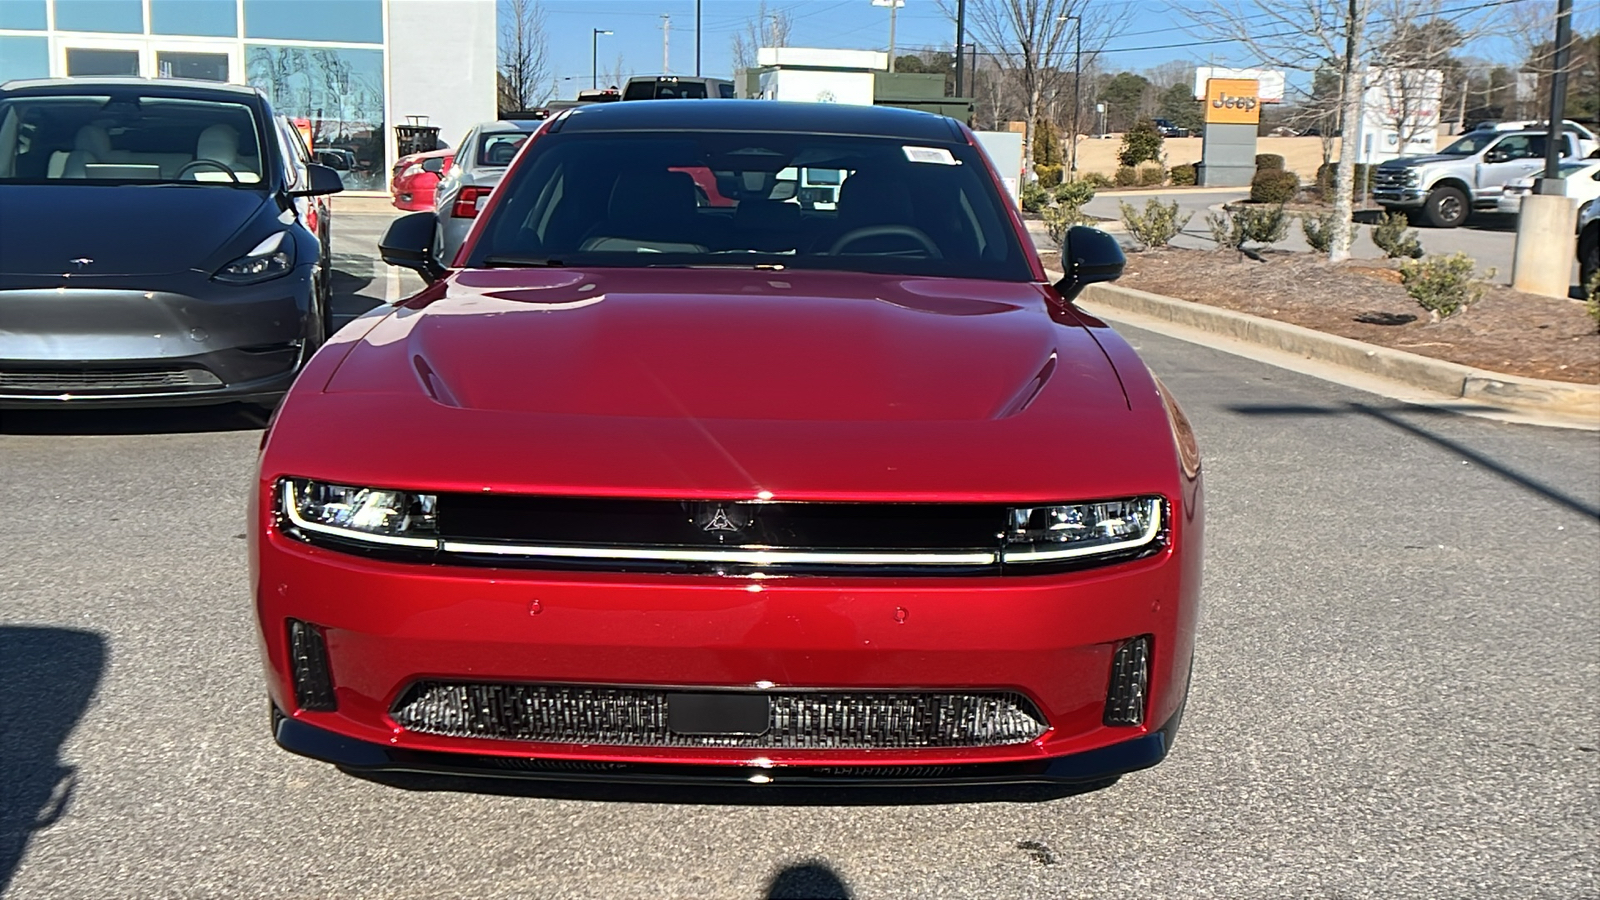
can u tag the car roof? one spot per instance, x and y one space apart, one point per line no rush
761 115
173 87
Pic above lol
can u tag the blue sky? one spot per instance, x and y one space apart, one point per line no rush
856 24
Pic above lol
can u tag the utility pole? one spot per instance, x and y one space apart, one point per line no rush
697 38
961 38
894 7
666 29
1349 131
1558 100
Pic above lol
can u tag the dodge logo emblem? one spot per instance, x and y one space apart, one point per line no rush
720 522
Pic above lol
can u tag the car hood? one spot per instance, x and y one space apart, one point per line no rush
731 344
683 383
121 229
1411 162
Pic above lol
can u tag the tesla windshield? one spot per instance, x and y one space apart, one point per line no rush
128 138
733 199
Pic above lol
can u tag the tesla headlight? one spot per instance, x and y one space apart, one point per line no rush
1074 530
269 259
361 514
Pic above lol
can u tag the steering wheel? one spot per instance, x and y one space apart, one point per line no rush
206 162
872 231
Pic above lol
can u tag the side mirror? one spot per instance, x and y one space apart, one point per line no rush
409 244
319 180
1496 156
1088 255
434 164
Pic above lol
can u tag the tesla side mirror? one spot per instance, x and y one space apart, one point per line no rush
409 244
319 180
1088 255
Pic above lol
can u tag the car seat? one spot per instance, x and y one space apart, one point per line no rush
91 145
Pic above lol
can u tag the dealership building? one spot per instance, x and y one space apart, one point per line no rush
347 70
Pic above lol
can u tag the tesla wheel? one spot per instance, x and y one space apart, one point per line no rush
1447 207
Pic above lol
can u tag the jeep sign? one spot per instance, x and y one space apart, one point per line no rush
1233 101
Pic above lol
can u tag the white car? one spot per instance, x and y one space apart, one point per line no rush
1582 184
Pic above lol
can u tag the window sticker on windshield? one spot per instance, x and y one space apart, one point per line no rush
937 156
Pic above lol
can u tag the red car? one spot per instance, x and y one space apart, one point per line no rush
414 177
646 488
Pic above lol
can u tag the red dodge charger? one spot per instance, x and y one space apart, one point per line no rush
801 488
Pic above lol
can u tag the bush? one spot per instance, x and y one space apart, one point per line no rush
1152 176
1225 230
1274 186
1157 225
1127 176
1097 180
1394 240
1593 303
1443 285
1265 225
1361 187
1141 143
1033 196
1187 173
1318 230
1049 175
1269 161
1074 194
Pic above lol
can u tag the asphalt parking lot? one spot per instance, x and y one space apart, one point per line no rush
1395 692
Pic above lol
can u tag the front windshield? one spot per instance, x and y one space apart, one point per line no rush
1470 144
759 199
128 138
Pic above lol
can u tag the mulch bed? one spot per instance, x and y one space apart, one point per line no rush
1507 331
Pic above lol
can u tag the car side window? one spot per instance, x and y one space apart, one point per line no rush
291 160
1514 147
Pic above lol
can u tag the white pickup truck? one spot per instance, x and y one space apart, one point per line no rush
1443 189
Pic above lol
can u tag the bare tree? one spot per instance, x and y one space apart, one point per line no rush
764 29
1033 45
1305 35
525 81
617 74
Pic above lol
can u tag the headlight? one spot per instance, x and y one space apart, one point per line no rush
269 259
360 514
1052 533
1411 176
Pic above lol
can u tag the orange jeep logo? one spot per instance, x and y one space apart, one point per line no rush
1234 101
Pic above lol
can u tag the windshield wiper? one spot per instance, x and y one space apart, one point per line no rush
523 262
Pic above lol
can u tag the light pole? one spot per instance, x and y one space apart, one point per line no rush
1077 86
594 58
894 7
961 38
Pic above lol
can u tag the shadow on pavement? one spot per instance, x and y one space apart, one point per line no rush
726 795
347 301
814 880
160 420
1388 417
48 675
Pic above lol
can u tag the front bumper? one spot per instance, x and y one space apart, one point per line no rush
1052 638
180 340
1399 197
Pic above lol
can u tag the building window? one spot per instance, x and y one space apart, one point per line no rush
95 62
200 18
23 15
23 57
340 91
340 21
116 16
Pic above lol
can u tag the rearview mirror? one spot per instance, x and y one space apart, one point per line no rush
409 244
1088 255
319 180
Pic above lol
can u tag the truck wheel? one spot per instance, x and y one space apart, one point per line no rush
1446 207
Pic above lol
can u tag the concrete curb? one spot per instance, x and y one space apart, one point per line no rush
1579 404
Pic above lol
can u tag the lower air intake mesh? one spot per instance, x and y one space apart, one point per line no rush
637 717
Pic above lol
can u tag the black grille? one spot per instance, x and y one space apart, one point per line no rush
1130 675
1390 178
69 380
308 656
637 717
609 522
